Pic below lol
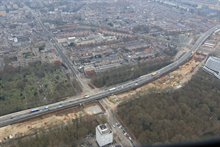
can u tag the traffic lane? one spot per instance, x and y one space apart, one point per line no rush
112 122
119 130
118 133
123 135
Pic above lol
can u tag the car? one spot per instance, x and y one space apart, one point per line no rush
86 96
127 135
119 126
60 105
46 107
113 126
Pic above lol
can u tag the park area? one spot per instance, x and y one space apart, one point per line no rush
35 85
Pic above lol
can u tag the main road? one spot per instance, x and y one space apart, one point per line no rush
50 37
39 111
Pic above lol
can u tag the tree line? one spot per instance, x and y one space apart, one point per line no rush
127 72
191 113
69 135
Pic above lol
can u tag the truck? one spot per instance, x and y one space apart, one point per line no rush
34 110
111 89
154 73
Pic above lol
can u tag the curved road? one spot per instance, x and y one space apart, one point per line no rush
28 114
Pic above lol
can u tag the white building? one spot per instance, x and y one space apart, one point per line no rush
104 135
212 66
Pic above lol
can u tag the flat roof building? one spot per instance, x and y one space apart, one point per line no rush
2 64
212 66
89 71
104 135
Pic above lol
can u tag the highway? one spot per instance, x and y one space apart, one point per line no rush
28 114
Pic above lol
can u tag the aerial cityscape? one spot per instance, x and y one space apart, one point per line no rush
113 73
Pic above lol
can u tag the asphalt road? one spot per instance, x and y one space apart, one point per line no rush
118 132
28 114
50 37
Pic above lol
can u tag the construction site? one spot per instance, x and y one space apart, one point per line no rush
52 120
173 80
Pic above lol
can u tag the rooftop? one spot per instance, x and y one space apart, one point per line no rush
104 129
213 63
212 66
